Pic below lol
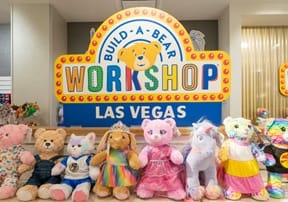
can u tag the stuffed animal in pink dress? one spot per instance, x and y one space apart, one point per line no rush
13 158
161 162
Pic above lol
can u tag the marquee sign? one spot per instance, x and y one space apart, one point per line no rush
283 79
141 57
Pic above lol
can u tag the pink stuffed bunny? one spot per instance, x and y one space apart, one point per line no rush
12 155
161 163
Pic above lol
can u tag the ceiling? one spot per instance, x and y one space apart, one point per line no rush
99 10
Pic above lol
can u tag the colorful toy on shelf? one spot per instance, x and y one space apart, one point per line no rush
13 158
5 114
117 152
23 114
200 156
276 132
26 110
241 174
78 174
262 115
162 164
48 144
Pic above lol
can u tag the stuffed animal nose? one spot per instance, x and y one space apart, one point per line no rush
117 138
140 57
156 137
47 144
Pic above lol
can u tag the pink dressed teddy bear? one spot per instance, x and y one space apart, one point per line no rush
162 164
13 158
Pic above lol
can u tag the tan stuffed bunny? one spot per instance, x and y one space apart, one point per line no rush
117 151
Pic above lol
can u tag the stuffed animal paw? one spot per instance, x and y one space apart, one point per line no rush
196 193
176 157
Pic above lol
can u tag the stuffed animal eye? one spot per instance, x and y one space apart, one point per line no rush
79 145
162 132
249 126
150 132
73 145
236 126
51 140
45 140
6 134
283 129
123 137
200 137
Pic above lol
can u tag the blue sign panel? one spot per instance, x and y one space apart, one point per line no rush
105 115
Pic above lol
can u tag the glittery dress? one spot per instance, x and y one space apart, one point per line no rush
161 174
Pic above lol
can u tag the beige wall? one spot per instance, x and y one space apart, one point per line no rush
38 34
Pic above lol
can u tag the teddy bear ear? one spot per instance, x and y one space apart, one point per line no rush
145 122
38 132
157 45
121 53
62 132
171 122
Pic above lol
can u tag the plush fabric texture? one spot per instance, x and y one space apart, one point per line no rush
201 158
162 164
276 133
239 158
118 155
12 157
78 174
48 144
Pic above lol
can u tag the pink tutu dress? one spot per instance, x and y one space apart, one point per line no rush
161 174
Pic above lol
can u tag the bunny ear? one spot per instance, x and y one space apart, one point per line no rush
133 144
103 142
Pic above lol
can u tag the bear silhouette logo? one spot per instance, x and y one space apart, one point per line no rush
140 56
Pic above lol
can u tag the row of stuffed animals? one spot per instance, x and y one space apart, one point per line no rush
159 170
16 114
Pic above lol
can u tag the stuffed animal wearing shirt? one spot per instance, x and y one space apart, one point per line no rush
276 132
78 174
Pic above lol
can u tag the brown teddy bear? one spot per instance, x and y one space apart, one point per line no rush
48 144
117 152
140 56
